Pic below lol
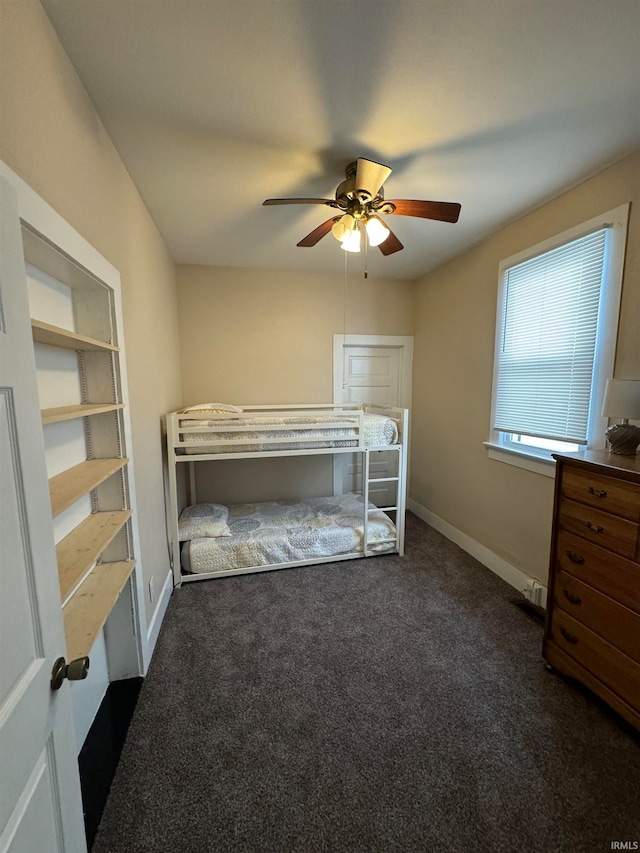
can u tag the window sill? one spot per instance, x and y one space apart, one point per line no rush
538 463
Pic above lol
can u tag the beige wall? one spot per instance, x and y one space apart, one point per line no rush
266 336
52 137
506 509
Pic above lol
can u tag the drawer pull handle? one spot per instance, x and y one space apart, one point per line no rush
571 598
596 528
570 638
599 493
575 558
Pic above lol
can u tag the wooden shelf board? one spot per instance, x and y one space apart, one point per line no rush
68 413
45 333
70 485
78 551
87 611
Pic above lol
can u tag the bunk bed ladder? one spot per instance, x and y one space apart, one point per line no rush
398 509
365 495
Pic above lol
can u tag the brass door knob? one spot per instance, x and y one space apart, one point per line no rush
75 670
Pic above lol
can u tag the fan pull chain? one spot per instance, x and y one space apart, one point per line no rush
344 324
366 246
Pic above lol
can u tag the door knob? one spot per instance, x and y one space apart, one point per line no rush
75 670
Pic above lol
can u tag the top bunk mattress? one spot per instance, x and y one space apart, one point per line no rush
308 432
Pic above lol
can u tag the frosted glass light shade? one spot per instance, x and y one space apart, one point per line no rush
622 399
343 226
377 231
351 242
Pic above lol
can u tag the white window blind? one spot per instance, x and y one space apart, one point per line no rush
547 341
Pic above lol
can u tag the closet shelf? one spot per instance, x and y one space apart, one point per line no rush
45 333
70 485
87 611
68 413
78 551
88 492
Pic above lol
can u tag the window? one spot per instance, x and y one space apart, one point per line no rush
557 317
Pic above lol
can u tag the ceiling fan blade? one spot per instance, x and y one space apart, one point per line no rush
444 211
370 176
391 244
317 234
328 201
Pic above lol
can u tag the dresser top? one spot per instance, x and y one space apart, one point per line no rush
609 463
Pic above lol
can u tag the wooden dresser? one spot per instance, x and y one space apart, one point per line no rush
592 631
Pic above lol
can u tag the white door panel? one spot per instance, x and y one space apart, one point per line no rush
17 641
376 395
40 805
372 375
26 830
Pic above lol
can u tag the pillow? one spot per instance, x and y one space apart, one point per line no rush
221 408
203 521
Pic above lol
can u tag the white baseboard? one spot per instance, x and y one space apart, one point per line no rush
158 616
499 566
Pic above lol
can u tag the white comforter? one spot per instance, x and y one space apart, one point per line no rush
378 431
287 531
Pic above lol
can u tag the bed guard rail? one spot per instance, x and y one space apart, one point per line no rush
301 426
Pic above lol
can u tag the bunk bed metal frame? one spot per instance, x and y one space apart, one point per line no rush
343 416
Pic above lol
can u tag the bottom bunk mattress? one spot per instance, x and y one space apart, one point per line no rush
264 534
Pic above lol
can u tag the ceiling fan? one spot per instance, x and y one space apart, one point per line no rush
360 199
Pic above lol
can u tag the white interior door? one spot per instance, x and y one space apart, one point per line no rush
371 375
40 801
377 371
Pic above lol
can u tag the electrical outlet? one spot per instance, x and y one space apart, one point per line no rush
151 590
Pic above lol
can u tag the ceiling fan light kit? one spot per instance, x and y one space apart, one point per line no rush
361 199
346 231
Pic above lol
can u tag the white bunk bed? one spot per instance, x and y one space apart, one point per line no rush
280 534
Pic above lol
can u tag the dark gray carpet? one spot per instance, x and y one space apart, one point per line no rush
388 704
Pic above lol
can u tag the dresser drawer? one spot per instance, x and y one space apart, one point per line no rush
615 496
604 661
608 531
613 622
617 577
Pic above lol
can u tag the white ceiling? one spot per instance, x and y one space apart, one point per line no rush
215 105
